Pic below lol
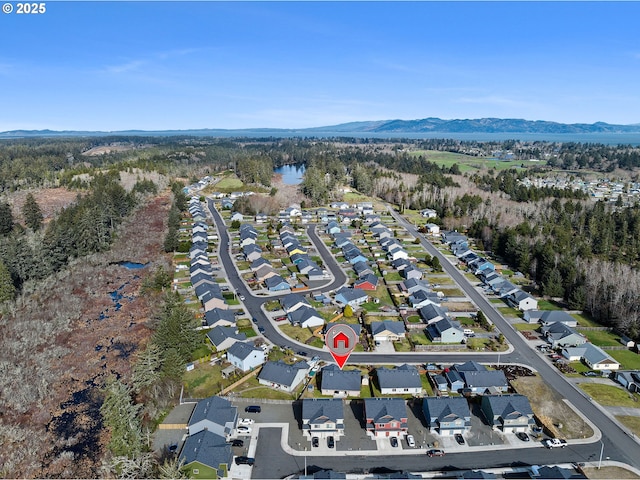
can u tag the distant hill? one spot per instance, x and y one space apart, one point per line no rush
392 127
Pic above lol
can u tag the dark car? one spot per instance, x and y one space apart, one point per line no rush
394 441
331 442
590 374
237 443
302 353
238 312
459 438
254 320
173 448
242 460
261 329
253 409
315 442
435 452
522 436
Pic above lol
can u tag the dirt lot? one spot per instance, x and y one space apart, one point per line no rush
51 201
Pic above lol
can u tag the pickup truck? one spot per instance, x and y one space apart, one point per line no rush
554 443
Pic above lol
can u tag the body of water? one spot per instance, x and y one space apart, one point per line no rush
291 174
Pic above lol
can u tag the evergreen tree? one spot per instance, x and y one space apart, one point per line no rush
146 370
6 218
32 214
120 415
7 288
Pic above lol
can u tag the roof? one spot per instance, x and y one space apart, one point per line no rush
552 316
447 408
242 350
356 327
350 294
432 311
594 355
215 409
322 410
396 328
219 334
280 372
486 379
445 325
384 410
302 314
368 278
275 281
509 406
404 376
291 300
558 330
208 449
333 378
216 314
470 366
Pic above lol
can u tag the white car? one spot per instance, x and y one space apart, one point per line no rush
241 297
245 421
243 430
411 441
554 443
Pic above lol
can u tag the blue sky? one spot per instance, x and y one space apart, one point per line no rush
181 65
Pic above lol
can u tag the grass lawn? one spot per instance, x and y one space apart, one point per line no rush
451 292
466 321
477 344
419 338
297 333
402 346
550 409
426 385
393 277
521 327
509 312
249 332
610 395
414 319
264 392
272 306
229 184
205 380
579 367
585 320
630 421
548 305
628 359
601 338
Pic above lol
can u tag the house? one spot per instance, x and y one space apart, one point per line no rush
547 317
455 381
522 301
339 205
452 236
276 284
445 331
305 317
505 288
629 379
432 313
213 299
350 296
223 337
440 382
226 204
398 253
200 278
354 256
251 252
219 317
261 217
322 418
296 258
404 380
245 356
306 266
400 264
385 417
265 271
481 265
362 268
559 335
428 213
367 282
371 218
283 376
507 413
340 383
483 382
411 272
387 331
412 285
214 414
237 216
470 366
293 301
333 227
598 359
627 342
296 248
447 415
432 228
423 298
259 262
206 455
356 327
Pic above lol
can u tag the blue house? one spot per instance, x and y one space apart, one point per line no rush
277 284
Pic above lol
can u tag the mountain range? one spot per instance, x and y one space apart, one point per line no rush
380 127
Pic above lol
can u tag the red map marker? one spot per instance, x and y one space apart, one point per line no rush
340 340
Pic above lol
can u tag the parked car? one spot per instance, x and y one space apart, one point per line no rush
242 460
590 374
253 409
241 297
331 442
245 421
315 442
411 442
237 443
243 430
261 329
302 353
394 441
522 436
254 320
238 312
459 438
435 452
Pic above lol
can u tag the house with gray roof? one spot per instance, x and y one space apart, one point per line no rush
223 337
547 317
387 331
470 366
322 418
356 327
213 299
293 301
401 263
340 383
431 313
440 382
305 317
413 285
411 272
200 278
251 252
362 269
245 356
351 296
219 317
629 379
215 414
455 382
422 298
206 455
447 415
483 382
593 356
559 335
507 413
277 284
259 262
522 301
264 271
445 331
385 417
283 376
403 380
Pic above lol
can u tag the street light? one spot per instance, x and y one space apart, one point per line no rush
601 450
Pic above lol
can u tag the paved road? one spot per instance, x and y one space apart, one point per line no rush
617 444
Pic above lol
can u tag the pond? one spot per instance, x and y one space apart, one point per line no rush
291 174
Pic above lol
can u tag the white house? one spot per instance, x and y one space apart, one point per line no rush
245 356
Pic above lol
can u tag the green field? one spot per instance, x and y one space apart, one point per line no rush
601 338
229 184
609 395
628 359
468 163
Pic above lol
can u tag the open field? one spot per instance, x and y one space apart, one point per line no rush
609 472
630 421
468 163
601 338
610 395
628 359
